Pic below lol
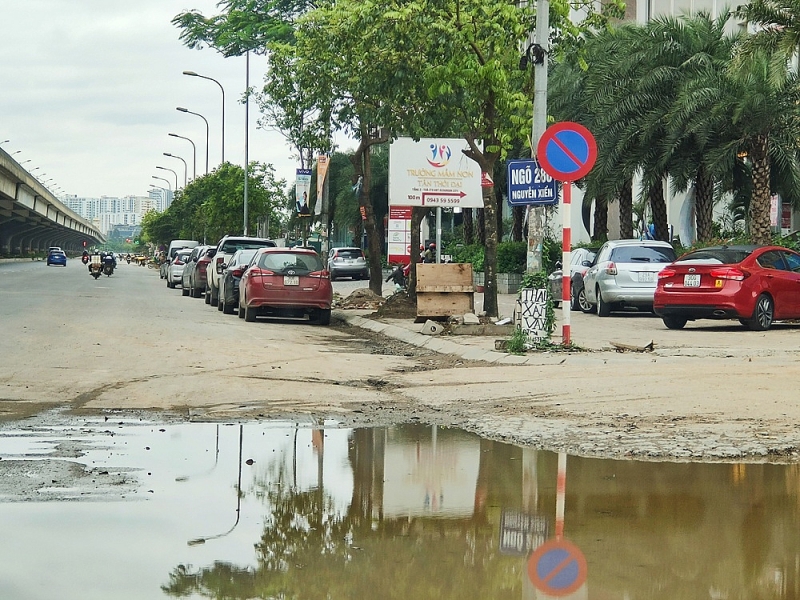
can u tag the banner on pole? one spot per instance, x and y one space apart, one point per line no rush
322 171
302 188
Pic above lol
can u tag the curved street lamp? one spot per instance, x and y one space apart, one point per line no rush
186 110
194 153
171 171
193 74
4 141
162 179
185 168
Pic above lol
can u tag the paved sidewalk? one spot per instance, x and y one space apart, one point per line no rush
468 347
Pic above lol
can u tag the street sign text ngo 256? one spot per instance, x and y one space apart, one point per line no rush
530 184
433 172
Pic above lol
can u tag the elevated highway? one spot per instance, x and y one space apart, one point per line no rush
32 218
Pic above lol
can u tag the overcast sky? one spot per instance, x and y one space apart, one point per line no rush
89 88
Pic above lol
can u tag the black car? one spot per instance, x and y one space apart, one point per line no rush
229 281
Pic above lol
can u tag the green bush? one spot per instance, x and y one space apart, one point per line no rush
472 253
512 257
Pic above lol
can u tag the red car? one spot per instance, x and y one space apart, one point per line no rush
755 284
286 282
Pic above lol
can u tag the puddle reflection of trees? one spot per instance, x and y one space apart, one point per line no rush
309 548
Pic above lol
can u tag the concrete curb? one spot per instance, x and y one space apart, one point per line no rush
434 343
16 260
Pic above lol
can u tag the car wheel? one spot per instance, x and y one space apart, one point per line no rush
184 291
333 275
583 303
762 314
249 314
673 322
208 296
573 299
220 303
227 307
214 296
603 307
196 292
241 311
324 316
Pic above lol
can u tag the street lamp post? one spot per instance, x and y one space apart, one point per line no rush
194 153
193 74
171 171
4 141
186 110
167 180
185 167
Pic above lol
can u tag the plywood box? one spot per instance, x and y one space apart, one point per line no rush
444 290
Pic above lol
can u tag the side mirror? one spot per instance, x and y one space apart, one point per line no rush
558 264
223 266
586 263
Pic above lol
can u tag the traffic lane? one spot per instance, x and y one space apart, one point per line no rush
702 338
127 341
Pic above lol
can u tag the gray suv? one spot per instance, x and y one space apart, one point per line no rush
625 273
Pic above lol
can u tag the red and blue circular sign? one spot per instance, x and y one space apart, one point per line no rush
567 151
557 568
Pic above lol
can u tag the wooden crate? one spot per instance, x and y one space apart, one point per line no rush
444 290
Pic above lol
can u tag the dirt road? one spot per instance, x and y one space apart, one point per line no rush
127 342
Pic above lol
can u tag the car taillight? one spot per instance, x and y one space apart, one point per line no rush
218 264
729 273
666 273
611 269
237 272
320 274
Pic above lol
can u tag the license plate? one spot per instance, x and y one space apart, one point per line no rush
291 280
691 280
647 277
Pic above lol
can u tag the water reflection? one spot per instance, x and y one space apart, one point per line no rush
404 512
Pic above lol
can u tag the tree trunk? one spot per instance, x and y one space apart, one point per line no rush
518 215
490 252
499 209
469 227
626 210
704 204
481 229
600 233
658 206
361 164
417 214
760 228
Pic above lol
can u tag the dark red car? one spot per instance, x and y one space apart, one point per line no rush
755 284
286 282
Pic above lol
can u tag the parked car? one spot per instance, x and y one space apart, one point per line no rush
755 284
579 263
286 282
56 257
193 279
229 282
226 248
175 270
624 273
347 262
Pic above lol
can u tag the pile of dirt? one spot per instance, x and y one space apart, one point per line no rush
362 298
398 306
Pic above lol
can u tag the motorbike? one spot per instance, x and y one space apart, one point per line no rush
128 258
108 265
85 259
95 266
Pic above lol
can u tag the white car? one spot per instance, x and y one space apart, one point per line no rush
175 270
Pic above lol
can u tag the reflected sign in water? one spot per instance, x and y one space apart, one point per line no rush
276 511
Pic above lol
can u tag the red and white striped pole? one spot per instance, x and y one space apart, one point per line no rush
561 493
566 257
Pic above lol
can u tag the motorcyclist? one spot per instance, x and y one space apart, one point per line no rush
85 257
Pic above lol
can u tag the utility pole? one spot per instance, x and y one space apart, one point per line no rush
541 45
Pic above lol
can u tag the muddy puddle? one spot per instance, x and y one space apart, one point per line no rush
131 509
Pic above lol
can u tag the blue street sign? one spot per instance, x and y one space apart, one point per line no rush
529 184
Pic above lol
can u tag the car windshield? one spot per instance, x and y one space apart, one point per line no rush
642 254
715 256
281 262
233 246
354 253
